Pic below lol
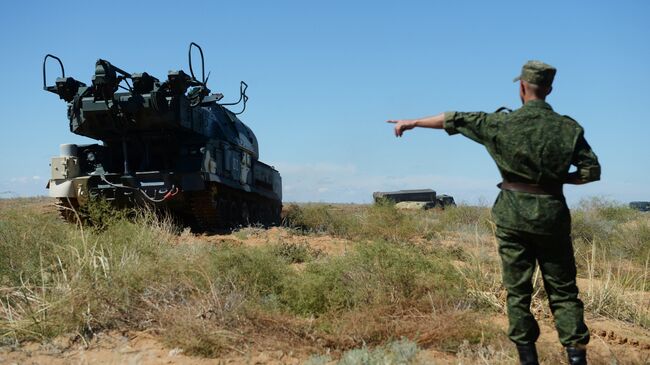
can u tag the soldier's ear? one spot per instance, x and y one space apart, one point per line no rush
522 89
550 88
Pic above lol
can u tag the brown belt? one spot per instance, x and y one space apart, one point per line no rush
540 189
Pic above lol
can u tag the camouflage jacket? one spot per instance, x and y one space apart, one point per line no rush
532 144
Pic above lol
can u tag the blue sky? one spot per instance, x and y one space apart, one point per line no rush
324 77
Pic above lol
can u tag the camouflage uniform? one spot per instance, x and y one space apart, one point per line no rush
534 145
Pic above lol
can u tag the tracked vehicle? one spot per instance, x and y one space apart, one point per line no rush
172 144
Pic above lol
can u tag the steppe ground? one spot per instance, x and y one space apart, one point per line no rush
336 284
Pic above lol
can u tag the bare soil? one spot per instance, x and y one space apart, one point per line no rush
612 342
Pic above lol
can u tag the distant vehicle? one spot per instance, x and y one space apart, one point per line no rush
426 196
445 200
172 144
640 206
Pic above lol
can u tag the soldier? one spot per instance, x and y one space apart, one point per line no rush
533 148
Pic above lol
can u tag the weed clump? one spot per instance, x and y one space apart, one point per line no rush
373 274
598 219
380 221
466 218
320 218
401 352
60 279
255 271
296 253
396 352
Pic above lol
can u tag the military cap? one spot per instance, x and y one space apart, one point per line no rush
538 73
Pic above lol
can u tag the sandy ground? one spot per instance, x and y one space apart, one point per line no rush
612 342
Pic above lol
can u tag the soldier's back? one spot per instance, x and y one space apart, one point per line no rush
535 144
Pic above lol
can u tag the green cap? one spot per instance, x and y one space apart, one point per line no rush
538 73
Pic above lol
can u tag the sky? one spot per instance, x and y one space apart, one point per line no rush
325 76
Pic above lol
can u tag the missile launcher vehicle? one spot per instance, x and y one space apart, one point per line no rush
172 144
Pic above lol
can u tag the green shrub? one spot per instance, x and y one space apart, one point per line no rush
296 253
633 241
28 241
393 353
608 210
71 280
597 219
402 352
320 218
380 221
255 271
465 218
616 229
383 221
99 213
372 274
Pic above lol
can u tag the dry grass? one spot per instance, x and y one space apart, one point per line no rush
408 281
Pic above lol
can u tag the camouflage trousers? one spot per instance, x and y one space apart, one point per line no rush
520 251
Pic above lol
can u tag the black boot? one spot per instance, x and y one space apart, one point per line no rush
577 356
527 354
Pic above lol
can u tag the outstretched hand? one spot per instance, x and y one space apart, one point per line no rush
401 126
434 121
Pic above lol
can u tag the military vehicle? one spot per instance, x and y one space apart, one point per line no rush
426 196
640 206
172 144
